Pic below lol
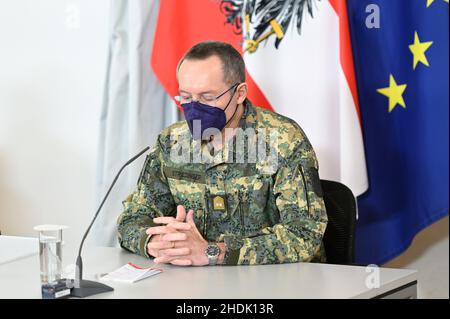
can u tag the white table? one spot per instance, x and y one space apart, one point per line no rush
13 248
20 279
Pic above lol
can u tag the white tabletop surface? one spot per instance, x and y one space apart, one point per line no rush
20 279
13 248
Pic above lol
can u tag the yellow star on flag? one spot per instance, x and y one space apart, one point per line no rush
395 93
418 50
430 2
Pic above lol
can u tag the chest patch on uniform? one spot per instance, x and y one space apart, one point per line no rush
218 203
186 175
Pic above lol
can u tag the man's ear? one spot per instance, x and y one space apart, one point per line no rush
242 91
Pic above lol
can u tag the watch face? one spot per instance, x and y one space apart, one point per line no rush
212 250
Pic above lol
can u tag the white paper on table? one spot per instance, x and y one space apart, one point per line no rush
130 273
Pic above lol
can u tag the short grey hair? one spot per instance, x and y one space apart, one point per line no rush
233 64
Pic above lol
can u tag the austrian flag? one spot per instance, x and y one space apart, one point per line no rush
299 63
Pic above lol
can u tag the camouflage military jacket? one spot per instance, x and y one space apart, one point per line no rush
268 210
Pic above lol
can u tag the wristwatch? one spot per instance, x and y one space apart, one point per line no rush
212 252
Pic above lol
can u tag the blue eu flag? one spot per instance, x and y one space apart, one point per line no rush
401 57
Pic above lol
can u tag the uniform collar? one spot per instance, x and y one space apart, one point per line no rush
247 120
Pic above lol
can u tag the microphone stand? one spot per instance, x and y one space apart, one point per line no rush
84 288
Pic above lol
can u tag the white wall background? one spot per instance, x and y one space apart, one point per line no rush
52 63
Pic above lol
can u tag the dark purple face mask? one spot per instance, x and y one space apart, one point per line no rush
205 117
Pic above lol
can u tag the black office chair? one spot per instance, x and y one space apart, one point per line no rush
339 237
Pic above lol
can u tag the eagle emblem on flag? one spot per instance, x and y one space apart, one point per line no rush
259 20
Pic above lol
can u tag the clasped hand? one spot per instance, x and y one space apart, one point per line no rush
177 241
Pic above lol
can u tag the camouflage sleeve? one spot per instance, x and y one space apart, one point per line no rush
151 199
299 200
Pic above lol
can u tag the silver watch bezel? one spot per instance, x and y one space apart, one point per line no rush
212 259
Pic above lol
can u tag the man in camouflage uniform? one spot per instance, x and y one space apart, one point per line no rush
265 210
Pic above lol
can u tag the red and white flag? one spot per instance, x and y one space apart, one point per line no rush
299 63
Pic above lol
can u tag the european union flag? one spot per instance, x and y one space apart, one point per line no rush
402 68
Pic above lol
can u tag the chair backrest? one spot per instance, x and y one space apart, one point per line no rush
339 237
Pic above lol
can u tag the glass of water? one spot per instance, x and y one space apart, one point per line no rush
50 252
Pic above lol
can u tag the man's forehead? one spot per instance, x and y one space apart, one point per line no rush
212 62
204 74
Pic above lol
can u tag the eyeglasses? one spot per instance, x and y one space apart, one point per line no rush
203 98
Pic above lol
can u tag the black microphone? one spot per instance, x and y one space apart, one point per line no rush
84 288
